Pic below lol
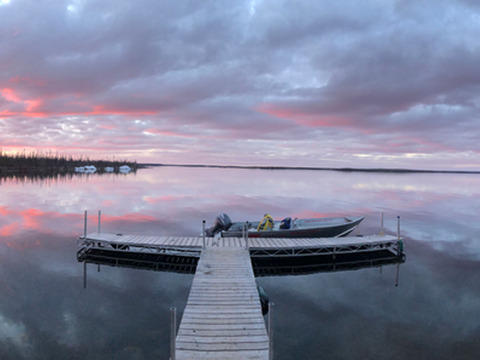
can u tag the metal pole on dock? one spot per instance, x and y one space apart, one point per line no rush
173 331
246 235
398 227
270 330
99 217
203 233
400 241
84 274
381 225
85 226
397 274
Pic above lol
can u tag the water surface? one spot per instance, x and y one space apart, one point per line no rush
45 313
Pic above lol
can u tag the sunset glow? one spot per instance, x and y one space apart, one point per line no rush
350 85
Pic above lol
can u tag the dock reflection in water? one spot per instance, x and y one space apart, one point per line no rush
262 266
264 262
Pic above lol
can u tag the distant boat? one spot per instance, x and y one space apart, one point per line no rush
286 228
90 169
125 169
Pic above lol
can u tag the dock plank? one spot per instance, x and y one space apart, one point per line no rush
263 243
223 317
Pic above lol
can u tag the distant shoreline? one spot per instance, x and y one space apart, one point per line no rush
32 165
374 170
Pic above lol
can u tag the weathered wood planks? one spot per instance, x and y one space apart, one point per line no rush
261 243
223 317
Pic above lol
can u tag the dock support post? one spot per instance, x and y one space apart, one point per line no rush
245 235
381 225
398 227
397 275
85 226
270 330
399 240
99 217
203 233
173 331
84 274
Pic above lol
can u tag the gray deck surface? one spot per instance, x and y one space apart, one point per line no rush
255 243
223 317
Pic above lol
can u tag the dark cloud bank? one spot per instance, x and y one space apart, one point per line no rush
254 82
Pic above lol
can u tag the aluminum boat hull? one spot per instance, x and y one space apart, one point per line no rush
305 228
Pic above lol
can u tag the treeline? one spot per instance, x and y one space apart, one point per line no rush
54 163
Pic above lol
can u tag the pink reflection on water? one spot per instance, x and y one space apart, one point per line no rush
161 199
132 217
9 230
175 200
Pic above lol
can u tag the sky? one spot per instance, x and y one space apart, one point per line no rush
374 83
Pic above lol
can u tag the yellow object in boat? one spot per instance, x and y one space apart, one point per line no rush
266 223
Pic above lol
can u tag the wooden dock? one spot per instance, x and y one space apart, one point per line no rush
223 317
268 247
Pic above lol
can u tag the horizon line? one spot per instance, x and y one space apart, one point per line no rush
313 168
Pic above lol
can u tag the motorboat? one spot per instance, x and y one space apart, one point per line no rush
285 228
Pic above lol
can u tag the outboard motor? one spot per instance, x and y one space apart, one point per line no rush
223 222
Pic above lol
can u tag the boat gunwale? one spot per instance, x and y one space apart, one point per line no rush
299 232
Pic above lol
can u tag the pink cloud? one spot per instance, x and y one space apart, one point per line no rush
107 127
45 106
103 110
30 106
166 133
308 119
10 95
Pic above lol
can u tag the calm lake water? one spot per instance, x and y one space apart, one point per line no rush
45 313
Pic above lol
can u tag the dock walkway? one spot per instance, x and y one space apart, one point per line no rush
258 247
223 317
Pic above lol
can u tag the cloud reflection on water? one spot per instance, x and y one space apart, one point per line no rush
355 314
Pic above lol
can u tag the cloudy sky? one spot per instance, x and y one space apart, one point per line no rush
247 82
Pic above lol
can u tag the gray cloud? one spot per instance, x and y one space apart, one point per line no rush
272 71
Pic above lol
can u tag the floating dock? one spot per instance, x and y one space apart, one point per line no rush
223 317
258 247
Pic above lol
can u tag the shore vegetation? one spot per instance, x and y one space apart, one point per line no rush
53 164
